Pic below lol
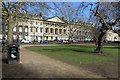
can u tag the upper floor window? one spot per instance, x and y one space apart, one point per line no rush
64 26
26 29
37 29
20 29
85 33
56 31
60 31
51 30
31 22
46 30
55 25
46 24
60 25
41 30
64 31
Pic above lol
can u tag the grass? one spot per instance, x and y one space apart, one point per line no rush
77 54
111 44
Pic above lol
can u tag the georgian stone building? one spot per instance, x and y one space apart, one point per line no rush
0 28
83 32
39 29
30 29
54 28
111 36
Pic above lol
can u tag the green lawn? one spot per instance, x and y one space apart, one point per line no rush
111 44
77 54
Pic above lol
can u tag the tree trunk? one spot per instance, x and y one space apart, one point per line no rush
10 34
17 34
100 43
69 39
10 30
17 40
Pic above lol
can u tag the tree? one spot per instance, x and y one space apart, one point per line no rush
13 10
107 15
72 16
95 33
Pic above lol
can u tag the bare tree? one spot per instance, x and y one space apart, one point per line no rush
14 13
95 33
107 15
72 16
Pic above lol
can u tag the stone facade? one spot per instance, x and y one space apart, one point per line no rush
111 36
36 29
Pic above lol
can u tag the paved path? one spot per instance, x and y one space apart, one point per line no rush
35 65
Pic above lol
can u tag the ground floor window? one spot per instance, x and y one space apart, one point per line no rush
36 38
40 37
46 37
51 38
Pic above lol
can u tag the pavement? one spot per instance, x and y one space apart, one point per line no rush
36 65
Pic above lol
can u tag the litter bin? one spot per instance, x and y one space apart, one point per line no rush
13 53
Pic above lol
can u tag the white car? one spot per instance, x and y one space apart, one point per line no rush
25 41
74 41
65 41
2 41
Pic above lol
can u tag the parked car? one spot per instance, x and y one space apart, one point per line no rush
65 41
44 41
25 41
74 41
35 41
59 41
85 41
3 41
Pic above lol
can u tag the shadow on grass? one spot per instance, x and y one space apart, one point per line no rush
67 49
83 51
57 49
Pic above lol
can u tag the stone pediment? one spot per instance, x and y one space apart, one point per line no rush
55 19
